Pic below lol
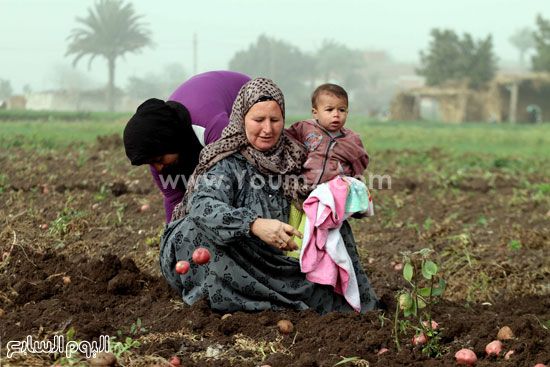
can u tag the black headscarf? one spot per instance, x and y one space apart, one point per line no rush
159 128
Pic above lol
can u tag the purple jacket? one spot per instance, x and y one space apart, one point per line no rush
209 99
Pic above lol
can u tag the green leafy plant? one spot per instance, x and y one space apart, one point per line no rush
543 188
481 220
74 360
136 327
58 226
452 218
382 319
514 245
479 285
415 303
542 325
5 263
155 240
541 193
3 180
457 256
119 211
120 348
388 211
82 158
427 223
102 193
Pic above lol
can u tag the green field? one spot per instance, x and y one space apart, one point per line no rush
55 133
495 139
502 140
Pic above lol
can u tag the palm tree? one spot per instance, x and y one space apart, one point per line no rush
523 40
110 30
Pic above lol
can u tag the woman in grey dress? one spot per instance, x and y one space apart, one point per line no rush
237 207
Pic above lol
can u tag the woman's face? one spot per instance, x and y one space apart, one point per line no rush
264 124
164 161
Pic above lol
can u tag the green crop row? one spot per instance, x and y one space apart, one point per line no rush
499 140
70 116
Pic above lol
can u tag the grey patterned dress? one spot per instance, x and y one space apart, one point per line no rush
244 273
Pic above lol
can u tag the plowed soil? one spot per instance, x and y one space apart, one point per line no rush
76 212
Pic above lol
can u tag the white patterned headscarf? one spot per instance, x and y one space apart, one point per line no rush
284 158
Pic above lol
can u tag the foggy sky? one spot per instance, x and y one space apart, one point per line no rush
33 32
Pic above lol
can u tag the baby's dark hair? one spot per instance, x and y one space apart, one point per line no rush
328 88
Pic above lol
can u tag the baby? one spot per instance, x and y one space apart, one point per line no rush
333 150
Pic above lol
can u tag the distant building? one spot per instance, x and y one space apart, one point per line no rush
507 98
16 103
410 81
77 100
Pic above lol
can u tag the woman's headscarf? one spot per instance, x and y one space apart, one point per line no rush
159 128
285 157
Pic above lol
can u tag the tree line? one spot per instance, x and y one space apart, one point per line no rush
450 57
111 29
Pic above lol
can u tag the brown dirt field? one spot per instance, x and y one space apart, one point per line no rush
76 212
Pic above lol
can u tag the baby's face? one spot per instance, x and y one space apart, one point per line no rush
331 112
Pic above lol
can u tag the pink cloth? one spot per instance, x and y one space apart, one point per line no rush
325 211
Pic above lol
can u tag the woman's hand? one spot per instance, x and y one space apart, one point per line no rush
275 233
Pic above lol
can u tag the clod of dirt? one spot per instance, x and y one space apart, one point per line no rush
128 263
29 292
505 333
410 184
306 360
285 326
123 283
107 142
105 270
119 188
263 320
103 359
